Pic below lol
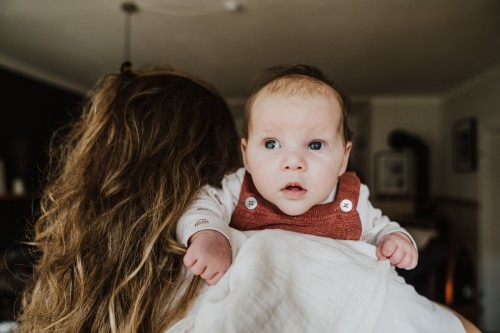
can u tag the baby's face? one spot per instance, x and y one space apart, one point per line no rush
295 151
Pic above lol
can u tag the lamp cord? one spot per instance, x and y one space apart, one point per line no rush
127 37
128 8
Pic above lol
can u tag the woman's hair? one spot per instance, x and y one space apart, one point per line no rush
118 180
291 80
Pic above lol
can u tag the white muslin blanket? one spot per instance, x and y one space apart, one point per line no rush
282 281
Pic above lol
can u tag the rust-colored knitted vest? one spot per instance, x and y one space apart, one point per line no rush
327 220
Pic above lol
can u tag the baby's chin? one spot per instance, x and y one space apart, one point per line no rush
293 210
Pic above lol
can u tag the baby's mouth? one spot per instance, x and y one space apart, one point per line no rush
294 187
294 191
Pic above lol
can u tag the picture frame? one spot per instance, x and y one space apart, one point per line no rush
392 173
464 145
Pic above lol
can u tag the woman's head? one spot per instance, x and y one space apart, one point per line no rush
119 179
146 121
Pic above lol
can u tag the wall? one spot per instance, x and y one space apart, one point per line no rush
237 106
457 196
418 115
360 124
479 98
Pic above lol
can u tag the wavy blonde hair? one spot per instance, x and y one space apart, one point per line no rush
119 179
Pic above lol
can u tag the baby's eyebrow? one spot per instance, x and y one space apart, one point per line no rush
265 134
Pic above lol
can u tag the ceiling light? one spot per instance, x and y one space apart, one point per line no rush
190 7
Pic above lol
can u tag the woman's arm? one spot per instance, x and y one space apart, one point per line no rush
469 327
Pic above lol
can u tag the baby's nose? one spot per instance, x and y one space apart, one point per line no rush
294 162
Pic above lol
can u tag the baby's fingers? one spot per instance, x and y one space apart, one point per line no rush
198 268
386 249
188 260
409 261
397 257
380 256
212 280
405 262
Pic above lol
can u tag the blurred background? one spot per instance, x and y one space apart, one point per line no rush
423 76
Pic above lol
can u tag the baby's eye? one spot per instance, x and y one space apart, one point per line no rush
315 145
272 144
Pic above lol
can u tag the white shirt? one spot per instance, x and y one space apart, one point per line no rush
213 207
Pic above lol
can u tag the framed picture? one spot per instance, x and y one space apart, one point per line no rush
464 145
392 173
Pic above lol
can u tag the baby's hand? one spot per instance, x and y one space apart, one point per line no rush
399 249
208 255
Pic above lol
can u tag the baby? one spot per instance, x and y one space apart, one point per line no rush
295 147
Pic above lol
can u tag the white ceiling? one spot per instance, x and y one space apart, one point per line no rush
368 47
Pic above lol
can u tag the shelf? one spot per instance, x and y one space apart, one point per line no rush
16 197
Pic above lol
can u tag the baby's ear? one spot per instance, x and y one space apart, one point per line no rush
244 152
345 161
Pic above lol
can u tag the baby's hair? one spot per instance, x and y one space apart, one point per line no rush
120 177
290 80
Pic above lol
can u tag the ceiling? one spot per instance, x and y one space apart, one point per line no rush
369 48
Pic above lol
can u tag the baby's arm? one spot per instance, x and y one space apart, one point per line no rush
208 255
393 242
204 229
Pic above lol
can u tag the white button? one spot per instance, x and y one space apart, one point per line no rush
251 203
346 205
